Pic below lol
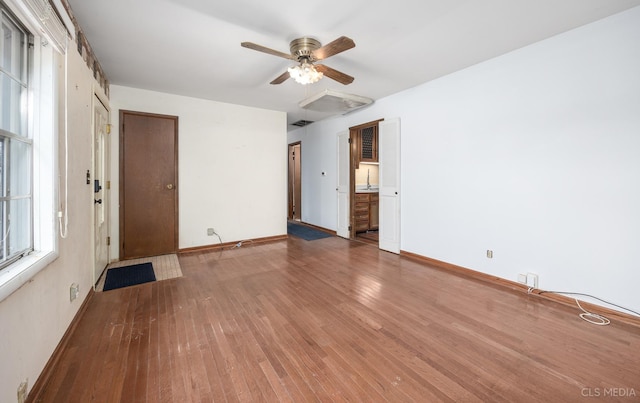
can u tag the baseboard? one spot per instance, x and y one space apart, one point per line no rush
518 287
47 371
231 245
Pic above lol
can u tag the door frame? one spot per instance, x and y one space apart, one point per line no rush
106 185
122 112
294 193
354 154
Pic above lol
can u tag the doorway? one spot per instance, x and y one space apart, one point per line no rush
354 209
295 182
364 175
101 147
148 184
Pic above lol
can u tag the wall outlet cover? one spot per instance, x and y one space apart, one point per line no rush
22 391
74 290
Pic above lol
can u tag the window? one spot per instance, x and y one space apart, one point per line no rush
16 146
32 70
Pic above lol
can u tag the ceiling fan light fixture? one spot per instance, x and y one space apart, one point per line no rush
305 73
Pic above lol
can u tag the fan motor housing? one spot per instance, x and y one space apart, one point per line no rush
303 48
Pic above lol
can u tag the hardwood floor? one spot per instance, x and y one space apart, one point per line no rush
369 237
336 320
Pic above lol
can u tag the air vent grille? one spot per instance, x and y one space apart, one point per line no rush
334 102
302 123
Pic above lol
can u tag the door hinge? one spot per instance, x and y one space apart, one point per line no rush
108 241
349 227
108 128
108 185
349 140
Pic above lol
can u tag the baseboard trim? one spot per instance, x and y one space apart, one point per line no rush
231 245
523 288
47 371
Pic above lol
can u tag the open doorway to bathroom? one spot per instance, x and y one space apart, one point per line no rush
295 182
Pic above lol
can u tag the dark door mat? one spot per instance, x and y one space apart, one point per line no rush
306 233
119 277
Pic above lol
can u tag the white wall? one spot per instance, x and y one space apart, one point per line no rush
534 155
232 163
34 318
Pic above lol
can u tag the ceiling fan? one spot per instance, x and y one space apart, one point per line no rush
306 51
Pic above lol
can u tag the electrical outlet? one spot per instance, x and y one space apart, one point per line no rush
210 231
489 254
522 278
532 280
22 391
74 290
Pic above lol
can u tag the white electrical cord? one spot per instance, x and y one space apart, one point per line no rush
236 246
216 234
63 213
592 318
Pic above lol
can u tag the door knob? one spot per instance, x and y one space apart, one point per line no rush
170 186
99 201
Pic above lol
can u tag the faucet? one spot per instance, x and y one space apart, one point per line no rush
368 184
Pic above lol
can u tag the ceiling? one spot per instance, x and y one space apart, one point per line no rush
192 47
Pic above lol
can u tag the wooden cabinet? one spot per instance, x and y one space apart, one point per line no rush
366 212
369 144
364 139
362 212
373 211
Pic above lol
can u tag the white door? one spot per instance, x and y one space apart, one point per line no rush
389 158
343 185
100 196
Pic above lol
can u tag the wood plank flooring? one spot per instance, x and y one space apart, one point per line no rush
369 236
164 267
336 320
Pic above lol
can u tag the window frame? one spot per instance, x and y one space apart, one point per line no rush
42 126
19 133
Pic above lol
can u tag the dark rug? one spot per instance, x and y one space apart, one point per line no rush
305 232
125 276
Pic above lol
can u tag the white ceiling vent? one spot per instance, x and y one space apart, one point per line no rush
334 102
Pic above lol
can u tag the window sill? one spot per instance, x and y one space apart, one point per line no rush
22 271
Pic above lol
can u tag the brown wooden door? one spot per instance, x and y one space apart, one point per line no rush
148 184
295 182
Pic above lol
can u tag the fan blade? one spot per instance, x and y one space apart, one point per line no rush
334 74
333 48
281 78
260 48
